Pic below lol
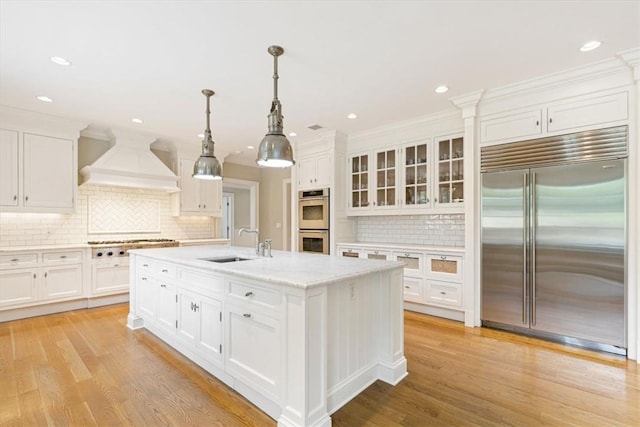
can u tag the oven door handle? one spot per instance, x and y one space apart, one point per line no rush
302 231
311 199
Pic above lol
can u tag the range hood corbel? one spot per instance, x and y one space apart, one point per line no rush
129 162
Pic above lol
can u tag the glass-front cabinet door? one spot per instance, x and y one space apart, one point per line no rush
359 174
450 171
385 174
416 174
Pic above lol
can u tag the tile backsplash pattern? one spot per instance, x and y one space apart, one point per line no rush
24 229
107 215
441 230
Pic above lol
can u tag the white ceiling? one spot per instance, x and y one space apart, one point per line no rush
379 59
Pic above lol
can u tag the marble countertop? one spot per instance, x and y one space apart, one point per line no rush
43 248
301 270
399 246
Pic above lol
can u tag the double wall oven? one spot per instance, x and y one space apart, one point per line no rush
313 221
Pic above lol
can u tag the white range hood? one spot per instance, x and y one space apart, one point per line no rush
130 163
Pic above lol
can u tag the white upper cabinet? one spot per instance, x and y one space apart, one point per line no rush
49 172
196 196
38 173
8 168
314 171
38 162
569 115
423 176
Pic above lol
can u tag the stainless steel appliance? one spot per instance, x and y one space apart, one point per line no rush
553 238
313 221
313 209
313 241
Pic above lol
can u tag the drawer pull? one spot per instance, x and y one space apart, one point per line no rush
116 265
443 293
443 258
247 315
164 270
15 260
63 256
145 265
143 278
248 294
162 285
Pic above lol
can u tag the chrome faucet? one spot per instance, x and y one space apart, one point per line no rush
252 230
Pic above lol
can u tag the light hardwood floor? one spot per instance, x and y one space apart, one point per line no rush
85 368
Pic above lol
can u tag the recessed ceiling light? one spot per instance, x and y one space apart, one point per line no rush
44 98
60 60
293 134
250 147
136 120
593 44
352 116
201 135
441 89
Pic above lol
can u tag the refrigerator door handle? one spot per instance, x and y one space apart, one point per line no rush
533 248
524 247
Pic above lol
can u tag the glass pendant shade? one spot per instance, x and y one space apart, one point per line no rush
207 166
275 150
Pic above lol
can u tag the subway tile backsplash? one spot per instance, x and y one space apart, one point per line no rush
26 229
441 230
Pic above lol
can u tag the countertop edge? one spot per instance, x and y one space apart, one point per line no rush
392 246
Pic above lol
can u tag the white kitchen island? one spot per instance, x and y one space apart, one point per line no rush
299 335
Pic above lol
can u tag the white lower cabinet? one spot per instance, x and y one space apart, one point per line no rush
166 313
430 278
110 277
41 277
253 352
200 323
147 300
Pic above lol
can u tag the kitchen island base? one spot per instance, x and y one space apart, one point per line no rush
297 352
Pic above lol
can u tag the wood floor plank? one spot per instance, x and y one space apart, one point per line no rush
85 368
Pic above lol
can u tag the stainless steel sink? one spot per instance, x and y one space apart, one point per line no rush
226 259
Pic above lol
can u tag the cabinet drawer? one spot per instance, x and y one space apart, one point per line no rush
377 254
446 267
252 294
412 262
62 257
447 294
164 270
349 252
18 260
206 282
412 289
146 265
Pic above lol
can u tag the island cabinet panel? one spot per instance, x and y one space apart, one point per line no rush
253 351
167 306
200 323
298 348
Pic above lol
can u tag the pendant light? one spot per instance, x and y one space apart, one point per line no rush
275 150
207 166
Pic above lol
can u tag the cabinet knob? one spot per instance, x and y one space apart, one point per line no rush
34 275
550 120
247 315
15 197
248 294
45 274
26 198
537 122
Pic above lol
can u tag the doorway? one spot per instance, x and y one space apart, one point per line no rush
240 210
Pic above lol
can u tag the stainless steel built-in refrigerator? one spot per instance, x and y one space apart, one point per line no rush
553 238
